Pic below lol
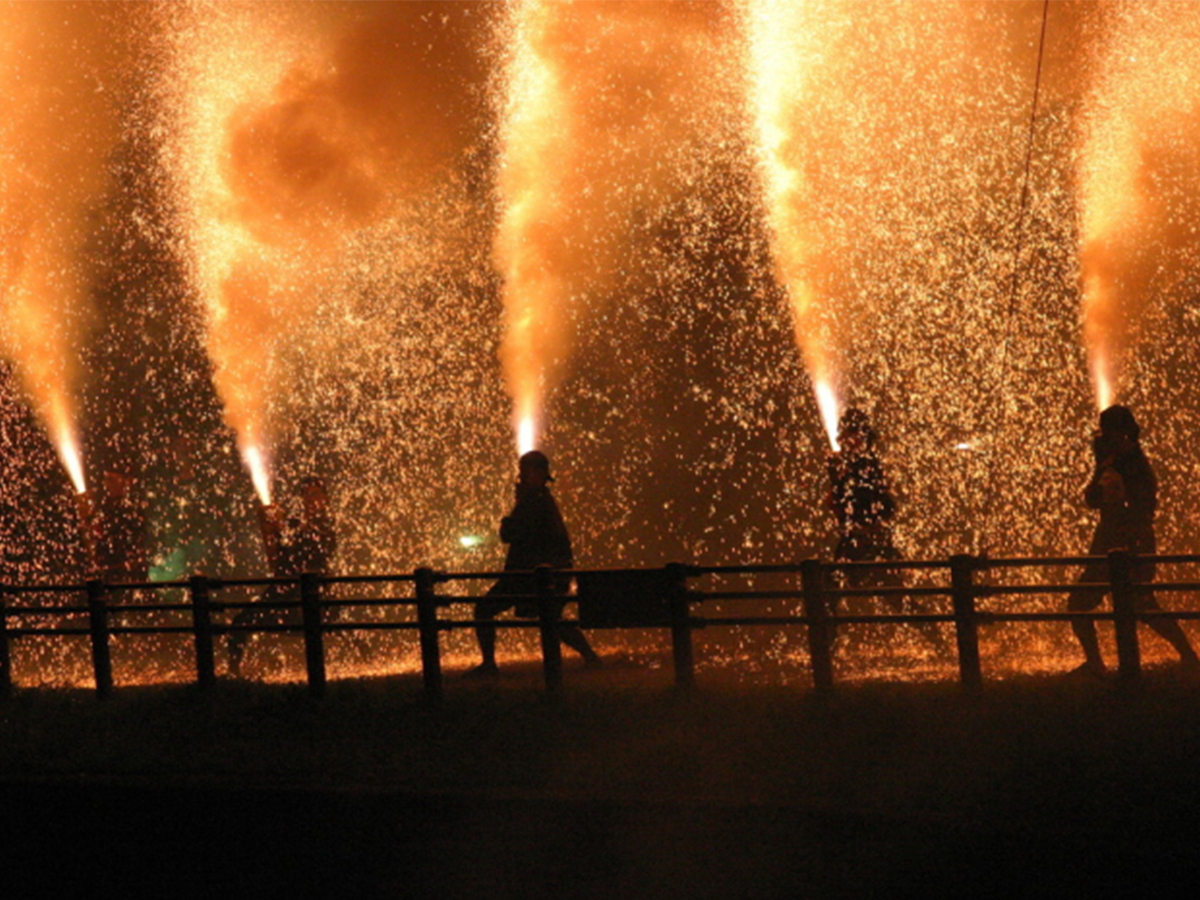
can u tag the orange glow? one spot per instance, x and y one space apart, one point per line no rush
536 129
1137 116
785 55
55 136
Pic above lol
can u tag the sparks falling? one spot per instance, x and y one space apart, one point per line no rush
1137 128
537 128
692 209
786 46
55 134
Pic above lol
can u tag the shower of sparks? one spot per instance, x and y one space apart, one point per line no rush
531 235
56 130
786 47
1140 119
228 59
68 449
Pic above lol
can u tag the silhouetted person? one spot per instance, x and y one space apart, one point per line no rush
1123 488
304 543
536 536
119 528
863 504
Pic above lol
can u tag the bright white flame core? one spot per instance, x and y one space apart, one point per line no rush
68 451
827 402
1102 381
526 435
258 473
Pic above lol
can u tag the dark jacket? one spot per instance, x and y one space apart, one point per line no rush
1128 524
535 533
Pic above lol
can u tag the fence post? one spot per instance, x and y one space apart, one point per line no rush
681 626
1120 576
966 622
5 654
206 665
314 637
98 627
547 603
812 578
427 622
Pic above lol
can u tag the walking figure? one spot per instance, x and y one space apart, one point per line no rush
536 536
1123 488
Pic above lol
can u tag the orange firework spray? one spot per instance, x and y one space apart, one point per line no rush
600 103
786 43
55 133
535 129
295 129
1138 119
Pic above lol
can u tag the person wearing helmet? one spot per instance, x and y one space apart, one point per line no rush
1124 490
536 536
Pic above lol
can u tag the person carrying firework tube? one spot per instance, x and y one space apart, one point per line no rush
536 536
863 505
1124 490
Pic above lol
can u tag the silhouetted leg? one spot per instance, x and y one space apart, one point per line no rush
485 632
575 639
1086 600
1170 631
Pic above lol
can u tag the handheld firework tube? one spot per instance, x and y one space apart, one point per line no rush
270 523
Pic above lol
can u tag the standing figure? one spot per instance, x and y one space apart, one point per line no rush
860 497
304 543
536 536
863 504
119 527
1123 488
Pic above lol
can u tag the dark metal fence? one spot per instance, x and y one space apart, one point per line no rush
633 598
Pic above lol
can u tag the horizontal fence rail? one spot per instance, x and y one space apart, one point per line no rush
658 598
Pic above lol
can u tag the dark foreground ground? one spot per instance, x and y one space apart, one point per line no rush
1047 787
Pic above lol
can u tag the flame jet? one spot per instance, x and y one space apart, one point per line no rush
786 45
58 123
1139 121
602 108
294 130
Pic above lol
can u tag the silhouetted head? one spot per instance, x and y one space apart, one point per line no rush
534 465
855 431
1119 420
